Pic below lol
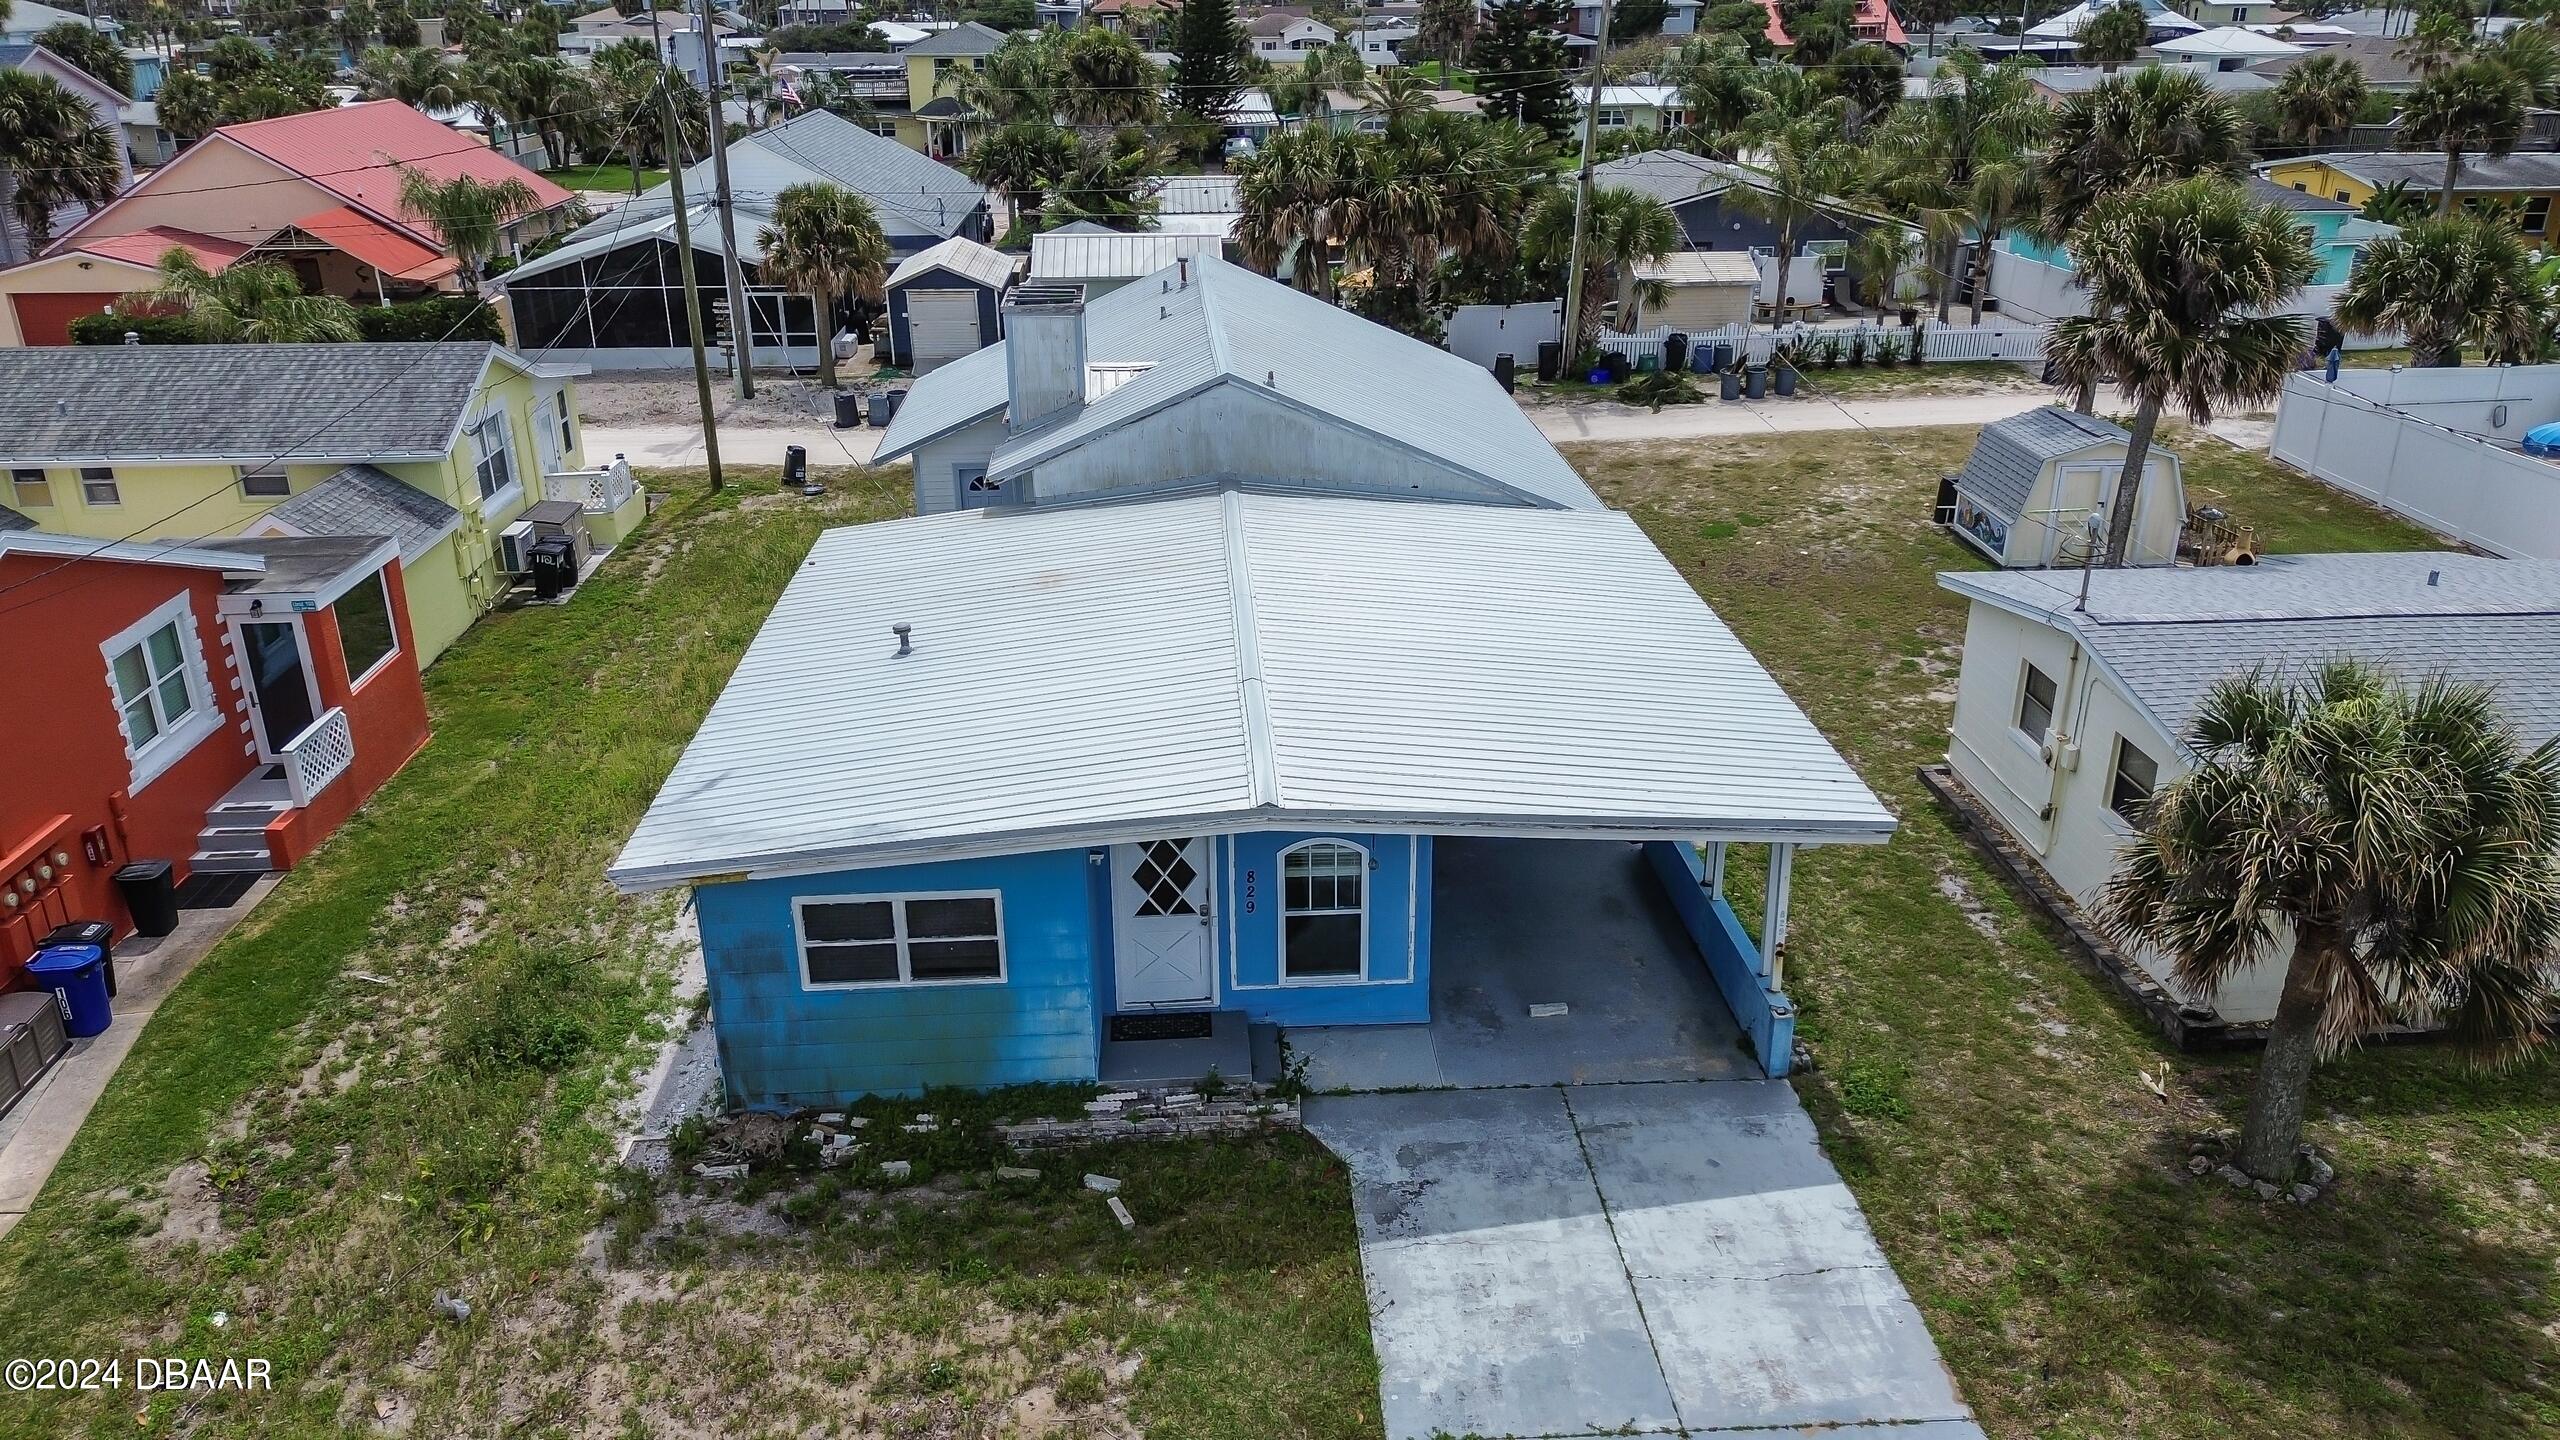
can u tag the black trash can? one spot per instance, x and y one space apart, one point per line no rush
795 466
884 407
555 567
151 894
1675 352
1613 367
89 932
1505 371
1550 360
1728 385
848 409
1755 381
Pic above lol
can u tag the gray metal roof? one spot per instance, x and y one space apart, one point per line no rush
1669 176
2523 170
2169 635
1237 662
2001 473
1113 254
361 500
1228 325
101 404
960 256
966 38
2268 192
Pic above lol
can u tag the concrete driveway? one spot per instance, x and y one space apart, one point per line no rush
1634 1259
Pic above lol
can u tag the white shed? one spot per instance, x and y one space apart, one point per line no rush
2025 495
1710 289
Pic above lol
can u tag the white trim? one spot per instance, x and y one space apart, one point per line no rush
140 552
1281 911
1124 892
232 626
174 742
897 903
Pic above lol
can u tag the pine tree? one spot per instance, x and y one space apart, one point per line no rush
1209 48
1521 66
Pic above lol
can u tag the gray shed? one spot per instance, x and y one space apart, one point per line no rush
943 303
2024 496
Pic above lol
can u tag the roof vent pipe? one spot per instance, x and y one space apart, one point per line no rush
1182 268
133 337
2432 577
906 641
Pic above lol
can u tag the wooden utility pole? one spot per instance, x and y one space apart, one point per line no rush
742 330
1572 336
684 267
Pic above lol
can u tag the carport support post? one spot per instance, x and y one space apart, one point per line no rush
1773 919
1715 869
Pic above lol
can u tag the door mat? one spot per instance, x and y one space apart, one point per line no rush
216 890
1182 1025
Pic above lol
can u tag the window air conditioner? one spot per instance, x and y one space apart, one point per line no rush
515 548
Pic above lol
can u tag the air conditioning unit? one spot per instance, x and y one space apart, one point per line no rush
515 548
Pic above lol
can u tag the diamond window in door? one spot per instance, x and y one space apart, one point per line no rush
1164 876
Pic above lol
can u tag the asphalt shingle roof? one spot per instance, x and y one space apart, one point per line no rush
2268 192
2523 170
12 520
2171 634
2001 472
361 500
109 403
966 38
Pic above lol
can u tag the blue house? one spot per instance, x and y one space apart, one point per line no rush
1008 793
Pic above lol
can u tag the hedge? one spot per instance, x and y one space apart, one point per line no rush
447 317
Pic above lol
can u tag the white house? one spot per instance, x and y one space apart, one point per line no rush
1206 373
1639 107
2069 714
2025 495
1286 39
1381 42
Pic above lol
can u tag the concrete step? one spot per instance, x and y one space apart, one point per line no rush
230 862
226 832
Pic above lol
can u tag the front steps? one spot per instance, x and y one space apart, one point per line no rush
234 838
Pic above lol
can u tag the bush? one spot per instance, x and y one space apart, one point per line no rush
1657 388
109 329
454 317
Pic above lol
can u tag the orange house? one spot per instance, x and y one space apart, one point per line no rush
221 705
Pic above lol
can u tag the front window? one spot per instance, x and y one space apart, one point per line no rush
2537 215
267 481
495 465
901 940
366 636
30 489
2135 777
98 486
568 423
162 700
2035 705
1324 913
1611 119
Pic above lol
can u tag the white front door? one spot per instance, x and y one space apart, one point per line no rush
1162 928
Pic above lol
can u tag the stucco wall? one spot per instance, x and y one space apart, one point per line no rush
1397 986
219 188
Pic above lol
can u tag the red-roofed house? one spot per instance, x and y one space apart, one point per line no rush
319 192
1874 23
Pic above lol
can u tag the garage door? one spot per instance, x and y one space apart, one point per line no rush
942 326
46 319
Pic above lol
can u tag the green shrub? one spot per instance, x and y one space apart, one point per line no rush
455 317
109 329
1657 388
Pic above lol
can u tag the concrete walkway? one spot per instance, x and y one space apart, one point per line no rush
676 447
1566 424
34 1134
1647 1259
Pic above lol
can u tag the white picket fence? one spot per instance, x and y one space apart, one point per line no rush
2022 344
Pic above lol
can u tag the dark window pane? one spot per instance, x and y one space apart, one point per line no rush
850 964
2035 705
364 626
2136 776
639 318
1298 892
953 960
632 265
1322 945
862 920
938 919
1346 891
549 317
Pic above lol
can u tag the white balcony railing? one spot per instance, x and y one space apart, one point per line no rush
598 492
318 756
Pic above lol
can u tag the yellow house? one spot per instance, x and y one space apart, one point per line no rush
439 446
2526 182
936 123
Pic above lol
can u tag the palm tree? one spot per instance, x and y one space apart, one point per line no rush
256 302
2392 847
1476 174
2180 279
2113 35
1024 80
1719 87
1113 182
1877 259
2475 105
2318 98
1110 82
2004 196
1623 229
1295 89
57 148
2394 204
826 241
1868 78
1806 167
1975 116
1299 196
543 94
1398 97
1020 161
422 78
2447 282
2134 131
472 215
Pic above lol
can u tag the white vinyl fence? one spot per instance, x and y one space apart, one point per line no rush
2469 487
2023 344
1480 332
2032 292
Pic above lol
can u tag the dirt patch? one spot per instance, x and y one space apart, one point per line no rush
669 398
1976 914
194 1210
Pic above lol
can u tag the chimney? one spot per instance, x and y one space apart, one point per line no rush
1043 353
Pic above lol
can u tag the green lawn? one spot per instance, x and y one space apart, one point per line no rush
605 177
1984 1098
391 1083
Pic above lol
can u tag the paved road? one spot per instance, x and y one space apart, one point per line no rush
1647 1259
663 447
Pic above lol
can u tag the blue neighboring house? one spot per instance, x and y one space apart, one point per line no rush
2338 232
1000 792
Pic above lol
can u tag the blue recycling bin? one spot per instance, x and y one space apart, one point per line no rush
77 976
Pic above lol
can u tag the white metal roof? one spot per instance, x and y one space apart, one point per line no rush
1057 255
1233 662
2226 42
961 256
1701 267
